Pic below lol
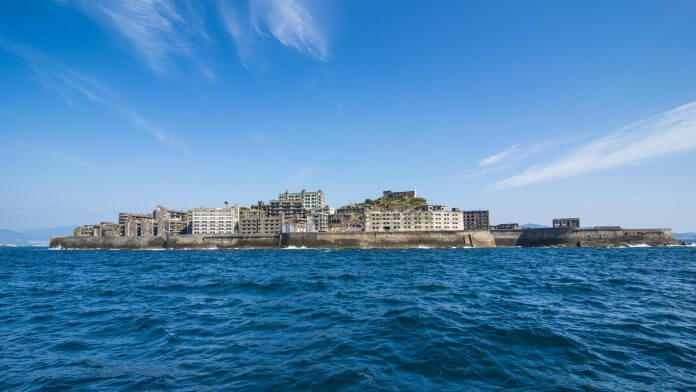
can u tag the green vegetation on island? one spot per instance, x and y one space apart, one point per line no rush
396 203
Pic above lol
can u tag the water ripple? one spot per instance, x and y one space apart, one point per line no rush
424 319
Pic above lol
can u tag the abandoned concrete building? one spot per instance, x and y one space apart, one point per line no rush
566 223
255 221
506 226
311 200
425 218
475 220
224 220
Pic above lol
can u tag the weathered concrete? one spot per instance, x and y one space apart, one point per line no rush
309 240
434 239
190 241
597 237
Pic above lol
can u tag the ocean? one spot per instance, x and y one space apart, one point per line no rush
382 320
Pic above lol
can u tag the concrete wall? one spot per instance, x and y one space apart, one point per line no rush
309 240
582 237
172 242
434 239
390 239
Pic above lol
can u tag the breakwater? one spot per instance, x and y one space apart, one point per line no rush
591 237
595 237
361 240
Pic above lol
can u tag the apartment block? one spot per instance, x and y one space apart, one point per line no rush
224 220
124 216
427 218
254 221
283 207
86 231
476 220
311 200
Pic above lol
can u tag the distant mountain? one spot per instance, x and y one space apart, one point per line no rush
687 237
532 226
33 236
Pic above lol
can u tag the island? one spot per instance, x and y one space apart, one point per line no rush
303 220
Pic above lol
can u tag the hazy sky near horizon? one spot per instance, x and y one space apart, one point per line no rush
533 110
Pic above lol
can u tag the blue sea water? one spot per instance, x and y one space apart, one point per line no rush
419 319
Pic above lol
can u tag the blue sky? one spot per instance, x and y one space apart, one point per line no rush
533 110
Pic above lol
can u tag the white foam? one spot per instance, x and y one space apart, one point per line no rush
639 246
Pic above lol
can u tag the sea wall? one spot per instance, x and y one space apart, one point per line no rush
172 242
594 237
432 239
308 240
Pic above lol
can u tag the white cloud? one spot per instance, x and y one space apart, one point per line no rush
157 29
72 85
292 22
162 30
670 132
498 157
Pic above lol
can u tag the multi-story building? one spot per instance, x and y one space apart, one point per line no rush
318 221
294 224
163 212
312 200
86 231
254 221
284 207
108 229
398 195
475 220
426 218
506 226
123 216
171 222
570 223
223 220
143 227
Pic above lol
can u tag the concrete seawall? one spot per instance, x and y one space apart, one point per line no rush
583 237
309 240
172 242
363 240
434 239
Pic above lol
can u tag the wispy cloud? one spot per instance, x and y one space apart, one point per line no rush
670 132
158 30
293 23
498 157
161 31
72 85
